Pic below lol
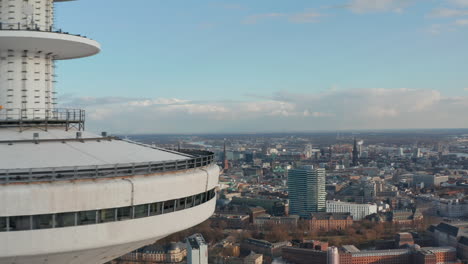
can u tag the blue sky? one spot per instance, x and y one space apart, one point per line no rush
247 66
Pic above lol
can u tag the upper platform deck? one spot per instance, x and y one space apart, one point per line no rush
57 154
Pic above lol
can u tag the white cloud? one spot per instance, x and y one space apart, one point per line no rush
254 19
461 22
234 7
436 29
460 3
466 89
282 111
448 12
369 6
308 16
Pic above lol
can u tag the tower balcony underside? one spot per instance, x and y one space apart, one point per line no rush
96 243
60 46
94 221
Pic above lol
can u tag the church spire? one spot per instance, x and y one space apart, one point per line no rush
355 153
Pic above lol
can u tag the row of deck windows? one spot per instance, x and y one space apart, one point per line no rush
32 222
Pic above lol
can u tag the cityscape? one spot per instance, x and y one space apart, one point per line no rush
336 197
233 132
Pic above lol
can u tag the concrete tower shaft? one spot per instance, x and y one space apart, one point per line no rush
29 45
27 76
27 81
27 14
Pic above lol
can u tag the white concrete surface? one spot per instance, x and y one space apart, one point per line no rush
57 197
73 153
95 243
62 46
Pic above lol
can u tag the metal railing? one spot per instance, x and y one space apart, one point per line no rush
34 27
198 159
51 114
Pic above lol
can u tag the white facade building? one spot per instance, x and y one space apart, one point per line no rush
197 250
454 208
67 195
358 211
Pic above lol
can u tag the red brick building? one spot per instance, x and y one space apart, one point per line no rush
414 255
330 221
352 255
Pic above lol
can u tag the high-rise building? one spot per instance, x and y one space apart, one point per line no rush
308 151
306 187
197 250
417 153
355 153
225 158
68 195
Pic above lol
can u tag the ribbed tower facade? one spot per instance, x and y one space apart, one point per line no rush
68 195
306 189
29 46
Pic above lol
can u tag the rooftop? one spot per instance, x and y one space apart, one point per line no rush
66 152
196 241
388 252
453 229
350 248
438 249
331 216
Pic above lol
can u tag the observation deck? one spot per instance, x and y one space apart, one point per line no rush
34 38
116 191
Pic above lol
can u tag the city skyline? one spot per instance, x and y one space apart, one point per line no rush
270 66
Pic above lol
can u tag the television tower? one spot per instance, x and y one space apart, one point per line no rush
68 195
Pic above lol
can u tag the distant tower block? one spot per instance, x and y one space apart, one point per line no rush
225 159
197 250
29 45
333 256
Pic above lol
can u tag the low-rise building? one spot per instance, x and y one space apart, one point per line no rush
429 180
266 248
231 221
462 248
430 255
452 234
253 258
304 255
453 208
406 216
273 206
349 254
403 239
330 221
263 220
357 211
172 253
412 255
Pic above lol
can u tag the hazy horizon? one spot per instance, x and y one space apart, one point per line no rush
243 66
